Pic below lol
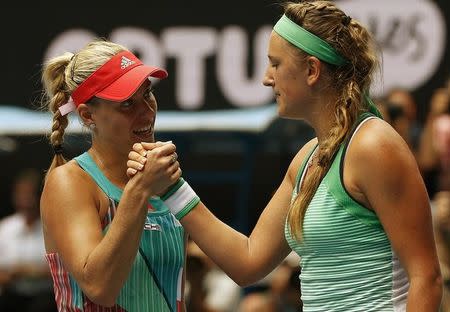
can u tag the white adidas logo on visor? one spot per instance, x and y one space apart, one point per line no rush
125 62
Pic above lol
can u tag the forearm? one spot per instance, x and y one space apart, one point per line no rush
424 295
228 248
108 265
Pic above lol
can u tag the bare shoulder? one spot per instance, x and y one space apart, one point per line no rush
70 200
68 176
379 161
66 183
376 142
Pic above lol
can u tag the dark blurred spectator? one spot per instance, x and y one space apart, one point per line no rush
441 224
279 291
208 288
434 162
258 301
285 284
434 148
402 111
403 99
395 115
381 105
25 281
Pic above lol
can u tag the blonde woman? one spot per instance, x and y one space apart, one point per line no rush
111 243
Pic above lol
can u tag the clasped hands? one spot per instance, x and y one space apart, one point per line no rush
157 161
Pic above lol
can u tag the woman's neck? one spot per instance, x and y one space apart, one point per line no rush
111 163
323 118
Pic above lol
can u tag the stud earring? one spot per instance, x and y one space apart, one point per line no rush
91 126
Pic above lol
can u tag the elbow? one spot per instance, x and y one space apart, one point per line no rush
100 293
247 273
438 284
244 280
437 288
101 296
244 283
101 289
241 282
432 283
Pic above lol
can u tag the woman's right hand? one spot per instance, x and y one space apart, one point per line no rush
154 165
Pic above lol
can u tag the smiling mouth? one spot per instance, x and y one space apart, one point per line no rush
144 131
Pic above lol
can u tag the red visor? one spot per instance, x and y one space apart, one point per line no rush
117 79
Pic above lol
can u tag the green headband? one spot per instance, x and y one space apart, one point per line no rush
307 41
316 46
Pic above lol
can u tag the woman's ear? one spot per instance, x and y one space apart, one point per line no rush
314 66
86 115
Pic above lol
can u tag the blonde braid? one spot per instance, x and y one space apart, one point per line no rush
54 81
58 128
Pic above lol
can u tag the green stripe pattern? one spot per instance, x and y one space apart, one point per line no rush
346 258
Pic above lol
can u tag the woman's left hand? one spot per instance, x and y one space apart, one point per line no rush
137 157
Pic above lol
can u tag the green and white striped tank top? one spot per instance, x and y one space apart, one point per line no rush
347 261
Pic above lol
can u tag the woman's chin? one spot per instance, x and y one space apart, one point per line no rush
144 137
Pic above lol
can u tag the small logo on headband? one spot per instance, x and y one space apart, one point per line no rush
125 62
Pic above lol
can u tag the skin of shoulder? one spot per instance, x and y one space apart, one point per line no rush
381 172
69 196
377 161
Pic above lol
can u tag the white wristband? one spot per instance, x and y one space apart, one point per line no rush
180 199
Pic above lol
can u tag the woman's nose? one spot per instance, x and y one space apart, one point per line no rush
267 79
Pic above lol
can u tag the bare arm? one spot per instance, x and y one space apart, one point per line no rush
397 194
247 259
70 207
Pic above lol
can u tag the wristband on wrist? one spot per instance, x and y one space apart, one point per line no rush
180 199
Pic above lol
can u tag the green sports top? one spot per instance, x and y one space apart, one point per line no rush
347 262
155 279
